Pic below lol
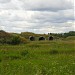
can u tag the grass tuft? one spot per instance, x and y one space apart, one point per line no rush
24 53
54 52
12 57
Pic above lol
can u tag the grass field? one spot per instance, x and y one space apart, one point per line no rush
38 58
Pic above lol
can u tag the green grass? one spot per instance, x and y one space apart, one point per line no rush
38 58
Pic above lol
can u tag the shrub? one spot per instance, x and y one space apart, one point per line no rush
8 41
23 40
15 40
2 40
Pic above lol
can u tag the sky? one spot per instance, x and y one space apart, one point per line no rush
38 16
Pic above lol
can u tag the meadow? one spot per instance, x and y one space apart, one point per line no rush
38 58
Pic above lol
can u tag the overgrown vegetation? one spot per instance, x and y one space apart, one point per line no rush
25 57
38 58
13 39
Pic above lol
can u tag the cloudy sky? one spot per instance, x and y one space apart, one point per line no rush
38 16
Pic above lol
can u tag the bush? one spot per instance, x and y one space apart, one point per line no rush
18 40
23 40
2 40
15 40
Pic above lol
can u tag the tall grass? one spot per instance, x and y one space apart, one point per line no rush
38 58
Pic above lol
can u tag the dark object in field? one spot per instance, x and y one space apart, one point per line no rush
0 60
50 38
41 38
54 52
31 38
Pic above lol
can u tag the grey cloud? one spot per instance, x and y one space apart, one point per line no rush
4 1
53 17
12 4
38 20
16 18
36 5
47 5
40 15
